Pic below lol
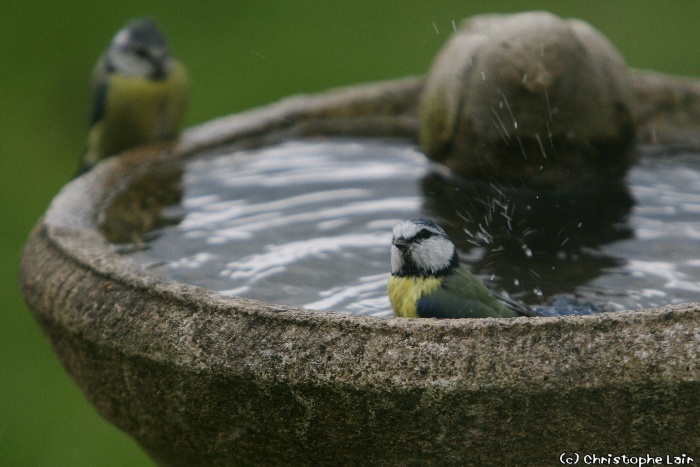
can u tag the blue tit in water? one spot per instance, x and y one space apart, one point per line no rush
427 280
139 93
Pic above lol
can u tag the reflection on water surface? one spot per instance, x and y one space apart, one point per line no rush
309 223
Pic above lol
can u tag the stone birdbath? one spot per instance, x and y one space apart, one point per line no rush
198 378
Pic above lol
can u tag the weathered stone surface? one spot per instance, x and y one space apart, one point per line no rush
201 379
529 97
668 110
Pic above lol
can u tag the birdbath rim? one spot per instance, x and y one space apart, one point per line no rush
296 384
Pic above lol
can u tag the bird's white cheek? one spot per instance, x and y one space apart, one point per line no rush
122 37
433 254
396 261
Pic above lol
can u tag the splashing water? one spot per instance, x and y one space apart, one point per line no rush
308 223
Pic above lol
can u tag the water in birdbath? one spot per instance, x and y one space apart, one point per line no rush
308 223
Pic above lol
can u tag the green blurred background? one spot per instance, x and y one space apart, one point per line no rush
240 55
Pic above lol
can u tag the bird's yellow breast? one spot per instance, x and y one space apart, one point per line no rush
137 111
404 292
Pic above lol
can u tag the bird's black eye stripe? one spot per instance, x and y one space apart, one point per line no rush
141 52
423 234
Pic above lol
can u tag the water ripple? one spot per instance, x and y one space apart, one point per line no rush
309 224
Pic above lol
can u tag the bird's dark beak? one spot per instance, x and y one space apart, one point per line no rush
400 243
160 62
159 68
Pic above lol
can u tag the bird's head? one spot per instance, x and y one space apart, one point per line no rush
421 248
139 49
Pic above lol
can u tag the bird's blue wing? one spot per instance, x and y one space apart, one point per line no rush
462 295
445 305
99 102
